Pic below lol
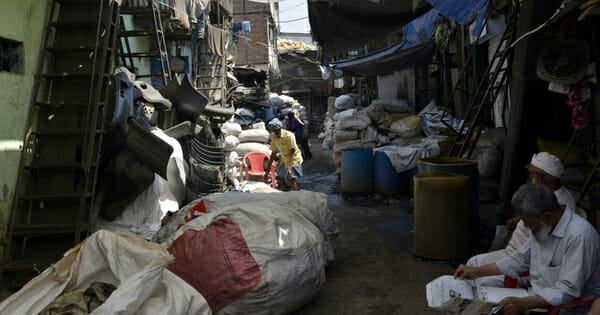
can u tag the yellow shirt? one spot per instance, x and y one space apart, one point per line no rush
284 145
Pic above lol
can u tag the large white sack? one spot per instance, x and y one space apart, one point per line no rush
254 135
345 135
353 119
288 236
247 147
143 216
231 129
231 159
407 127
344 102
230 143
259 125
376 112
135 266
177 168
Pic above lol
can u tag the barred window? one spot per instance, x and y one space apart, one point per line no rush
11 56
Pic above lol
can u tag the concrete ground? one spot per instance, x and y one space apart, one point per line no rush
375 271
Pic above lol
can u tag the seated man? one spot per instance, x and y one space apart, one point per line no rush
290 166
544 169
561 255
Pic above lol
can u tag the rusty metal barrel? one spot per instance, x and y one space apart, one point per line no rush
442 223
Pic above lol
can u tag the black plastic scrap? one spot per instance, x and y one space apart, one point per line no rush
187 101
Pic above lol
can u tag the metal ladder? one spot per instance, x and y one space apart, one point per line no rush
126 54
57 177
495 79
211 74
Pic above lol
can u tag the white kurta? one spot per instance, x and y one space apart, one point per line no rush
519 237
563 268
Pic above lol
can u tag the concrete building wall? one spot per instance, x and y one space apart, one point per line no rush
22 21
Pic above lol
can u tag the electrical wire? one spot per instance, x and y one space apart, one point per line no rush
294 20
297 5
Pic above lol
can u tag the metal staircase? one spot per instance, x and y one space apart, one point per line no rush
57 177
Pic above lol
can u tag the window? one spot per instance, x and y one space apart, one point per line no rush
11 56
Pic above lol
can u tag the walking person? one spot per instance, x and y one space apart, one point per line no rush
290 164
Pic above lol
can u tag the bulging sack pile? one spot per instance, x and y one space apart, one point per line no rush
238 143
254 253
385 123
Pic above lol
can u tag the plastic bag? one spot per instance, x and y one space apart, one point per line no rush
254 135
135 266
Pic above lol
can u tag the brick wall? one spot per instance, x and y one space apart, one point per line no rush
256 50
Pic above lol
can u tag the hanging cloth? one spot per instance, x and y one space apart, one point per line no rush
217 39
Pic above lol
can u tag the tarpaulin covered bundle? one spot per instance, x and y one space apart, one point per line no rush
256 253
135 266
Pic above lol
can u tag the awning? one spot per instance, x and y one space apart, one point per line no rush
348 24
418 46
388 60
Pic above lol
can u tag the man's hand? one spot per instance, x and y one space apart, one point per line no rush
511 224
466 272
513 306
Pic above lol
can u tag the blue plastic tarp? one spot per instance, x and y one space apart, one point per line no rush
417 36
463 11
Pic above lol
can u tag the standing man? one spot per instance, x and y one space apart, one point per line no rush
290 164
296 126
562 254
544 169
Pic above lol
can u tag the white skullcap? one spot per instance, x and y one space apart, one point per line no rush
548 163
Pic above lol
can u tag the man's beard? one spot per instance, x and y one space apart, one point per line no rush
543 233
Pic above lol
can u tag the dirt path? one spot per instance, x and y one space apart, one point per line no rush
375 271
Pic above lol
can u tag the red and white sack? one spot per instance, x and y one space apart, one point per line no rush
254 253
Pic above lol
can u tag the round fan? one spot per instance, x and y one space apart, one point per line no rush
563 61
